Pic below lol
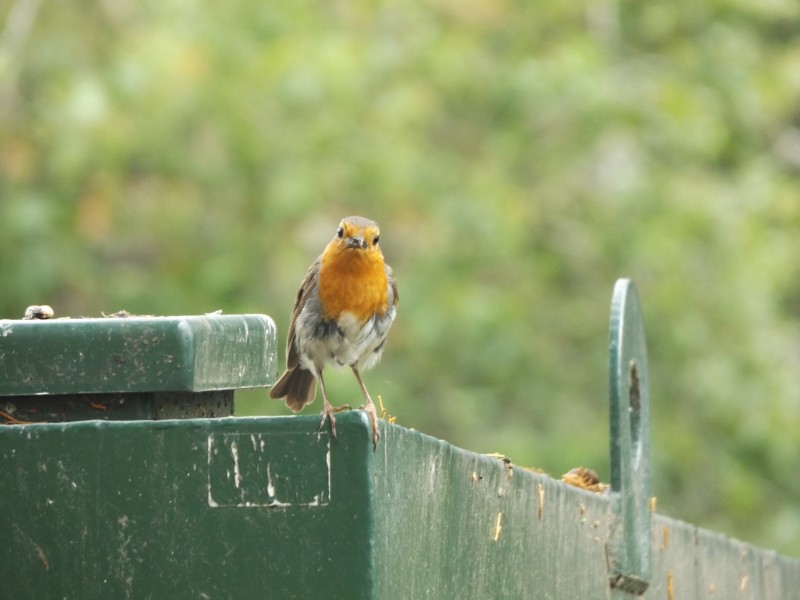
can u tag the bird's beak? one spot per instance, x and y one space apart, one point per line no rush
356 242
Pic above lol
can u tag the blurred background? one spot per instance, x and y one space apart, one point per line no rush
177 157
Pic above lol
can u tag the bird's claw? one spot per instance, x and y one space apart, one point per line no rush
373 424
327 413
375 436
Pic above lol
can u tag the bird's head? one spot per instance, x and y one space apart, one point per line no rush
357 234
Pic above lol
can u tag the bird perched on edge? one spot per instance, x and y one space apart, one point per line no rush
342 315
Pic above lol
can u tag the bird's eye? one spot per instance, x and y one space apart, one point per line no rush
375 240
340 232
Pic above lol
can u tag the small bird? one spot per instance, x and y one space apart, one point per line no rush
342 315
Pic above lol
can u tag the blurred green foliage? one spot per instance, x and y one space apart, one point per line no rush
177 157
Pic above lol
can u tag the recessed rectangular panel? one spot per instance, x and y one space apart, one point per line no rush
269 470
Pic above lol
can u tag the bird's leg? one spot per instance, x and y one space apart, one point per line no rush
370 408
327 409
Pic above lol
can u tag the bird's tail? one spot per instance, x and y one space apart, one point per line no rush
298 386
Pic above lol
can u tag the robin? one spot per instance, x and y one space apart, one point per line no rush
342 315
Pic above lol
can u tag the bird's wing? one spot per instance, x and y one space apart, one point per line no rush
307 287
394 297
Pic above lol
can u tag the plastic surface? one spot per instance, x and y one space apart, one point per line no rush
136 354
271 508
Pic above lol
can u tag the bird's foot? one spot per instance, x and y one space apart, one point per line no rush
328 411
370 408
373 422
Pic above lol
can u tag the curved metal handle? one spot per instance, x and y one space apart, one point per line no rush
629 545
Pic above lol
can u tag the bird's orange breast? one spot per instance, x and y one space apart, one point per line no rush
352 281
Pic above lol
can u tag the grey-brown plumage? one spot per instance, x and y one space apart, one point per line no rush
342 315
